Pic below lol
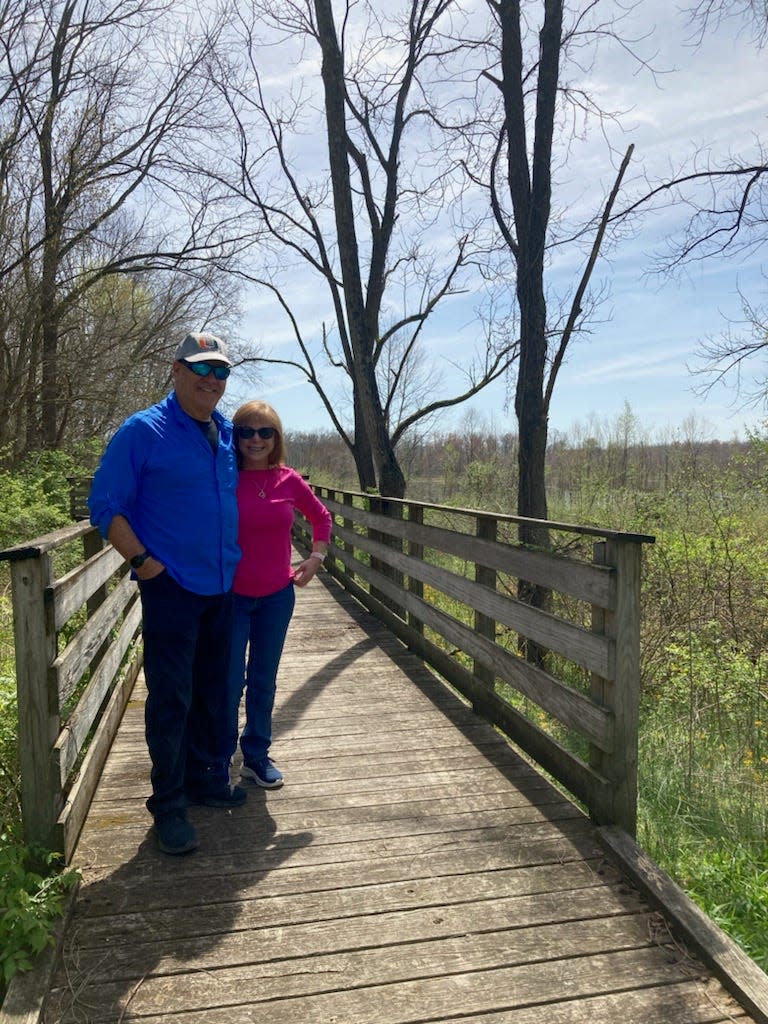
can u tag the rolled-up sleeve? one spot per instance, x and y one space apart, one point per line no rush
113 491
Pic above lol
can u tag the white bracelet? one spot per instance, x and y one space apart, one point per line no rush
317 554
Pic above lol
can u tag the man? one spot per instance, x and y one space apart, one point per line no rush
164 496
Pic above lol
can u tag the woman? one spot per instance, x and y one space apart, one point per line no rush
268 491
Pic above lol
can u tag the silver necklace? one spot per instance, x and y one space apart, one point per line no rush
261 492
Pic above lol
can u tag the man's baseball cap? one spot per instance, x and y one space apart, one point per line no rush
198 348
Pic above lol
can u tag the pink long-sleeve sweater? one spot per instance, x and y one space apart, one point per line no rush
266 499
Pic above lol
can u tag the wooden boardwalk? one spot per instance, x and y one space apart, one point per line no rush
414 868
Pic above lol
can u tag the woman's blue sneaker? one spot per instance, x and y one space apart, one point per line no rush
263 773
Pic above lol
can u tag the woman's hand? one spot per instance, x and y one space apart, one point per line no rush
305 570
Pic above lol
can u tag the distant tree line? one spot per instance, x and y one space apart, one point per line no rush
479 468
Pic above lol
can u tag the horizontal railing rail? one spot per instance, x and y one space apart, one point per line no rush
76 623
445 581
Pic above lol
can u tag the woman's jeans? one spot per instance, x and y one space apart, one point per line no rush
261 624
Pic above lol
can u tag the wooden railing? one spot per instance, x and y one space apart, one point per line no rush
445 581
76 619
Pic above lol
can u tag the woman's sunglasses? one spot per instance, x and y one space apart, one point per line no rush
264 432
219 371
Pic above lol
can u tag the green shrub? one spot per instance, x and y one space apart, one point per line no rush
10 809
30 900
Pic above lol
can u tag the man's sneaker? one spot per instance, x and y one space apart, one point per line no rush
224 796
174 833
263 773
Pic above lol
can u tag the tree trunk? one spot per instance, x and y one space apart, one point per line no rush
49 361
367 399
361 451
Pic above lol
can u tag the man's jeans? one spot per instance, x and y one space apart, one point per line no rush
187 640
261 623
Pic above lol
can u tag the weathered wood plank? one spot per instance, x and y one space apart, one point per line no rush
296 941
74 660
318 868
736 970
574 709
72 591
572 641
336 904
270 978
80 796
67 748
580 580
39 720
48 542
440 998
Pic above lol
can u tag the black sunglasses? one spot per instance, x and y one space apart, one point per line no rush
219 371
264 432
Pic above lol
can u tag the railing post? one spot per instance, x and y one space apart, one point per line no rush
622 694
486 528
348 524
392 510
415 550
38 700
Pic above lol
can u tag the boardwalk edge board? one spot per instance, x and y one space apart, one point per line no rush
737 972
28 991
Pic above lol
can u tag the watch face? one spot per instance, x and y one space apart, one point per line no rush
138 560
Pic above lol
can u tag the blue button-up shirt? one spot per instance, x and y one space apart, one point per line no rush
160 472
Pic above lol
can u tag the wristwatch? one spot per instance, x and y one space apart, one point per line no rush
138 560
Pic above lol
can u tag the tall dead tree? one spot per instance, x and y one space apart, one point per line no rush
365 221
527 76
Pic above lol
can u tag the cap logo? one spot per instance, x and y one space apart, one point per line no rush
206 343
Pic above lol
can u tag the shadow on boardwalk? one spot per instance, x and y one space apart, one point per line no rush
414 868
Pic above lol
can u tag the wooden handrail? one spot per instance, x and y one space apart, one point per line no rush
76 621
445 581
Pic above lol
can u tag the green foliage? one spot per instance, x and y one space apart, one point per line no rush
30 901
10 808
35 500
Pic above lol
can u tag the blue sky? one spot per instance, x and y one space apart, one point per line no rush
641 352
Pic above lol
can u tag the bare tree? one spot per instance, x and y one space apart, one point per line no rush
707 15
726 357
726 202
374 226
108 97
529 100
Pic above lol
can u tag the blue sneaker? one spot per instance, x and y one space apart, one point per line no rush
174 833
263 773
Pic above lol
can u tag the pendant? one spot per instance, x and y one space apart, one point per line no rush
262 493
